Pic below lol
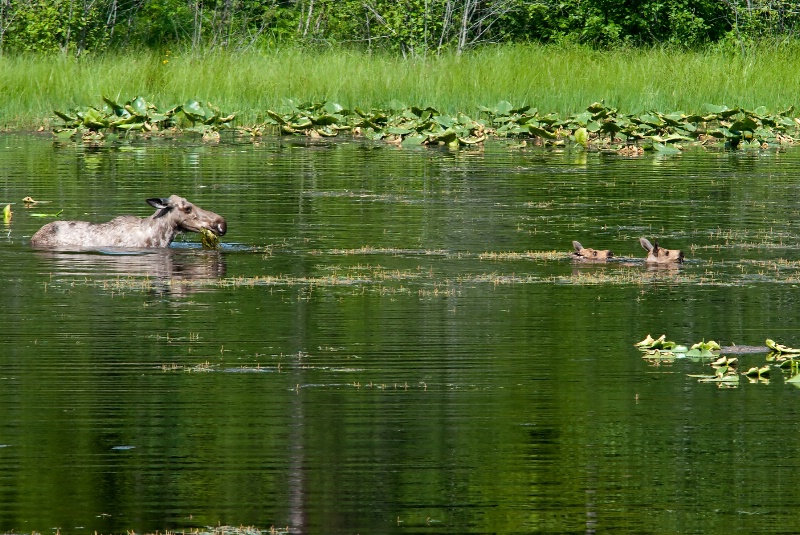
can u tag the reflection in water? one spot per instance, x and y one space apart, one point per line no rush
162 267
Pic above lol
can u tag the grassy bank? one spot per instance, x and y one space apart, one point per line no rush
563 80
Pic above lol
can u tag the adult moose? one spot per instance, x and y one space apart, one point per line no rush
174 214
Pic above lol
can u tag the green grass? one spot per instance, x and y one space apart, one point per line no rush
563 80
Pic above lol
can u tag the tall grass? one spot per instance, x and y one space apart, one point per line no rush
552 79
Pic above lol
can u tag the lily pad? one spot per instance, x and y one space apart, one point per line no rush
780 348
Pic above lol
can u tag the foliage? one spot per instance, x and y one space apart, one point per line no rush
413 28
138 115
598 125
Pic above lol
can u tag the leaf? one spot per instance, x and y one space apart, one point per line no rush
711 108
63 116
582 138
194 111
7 213
396 105
209 239
325 120
596 107
118 110
780 348
411 141
94 119
647 342
139 106
65 134
504 108
332 107
541 132
129 126
276 117
398 131
39 214
732 378
583 118
747 124
665 149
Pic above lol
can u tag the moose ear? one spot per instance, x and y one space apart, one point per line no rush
646 245
577 245
158 203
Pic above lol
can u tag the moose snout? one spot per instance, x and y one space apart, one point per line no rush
220 227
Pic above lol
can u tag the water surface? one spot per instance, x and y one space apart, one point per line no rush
382 345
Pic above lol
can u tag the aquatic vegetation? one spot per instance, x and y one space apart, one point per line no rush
780 348
703 349
756 371
7 214
656 343
659 351
138 115
209 239
599 127
43 214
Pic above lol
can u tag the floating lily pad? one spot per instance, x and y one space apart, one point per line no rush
780 348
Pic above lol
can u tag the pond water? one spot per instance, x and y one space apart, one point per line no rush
396 341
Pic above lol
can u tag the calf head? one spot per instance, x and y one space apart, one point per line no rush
659 255
186 216
583 253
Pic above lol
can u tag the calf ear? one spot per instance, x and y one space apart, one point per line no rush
577 245
645 243
158 203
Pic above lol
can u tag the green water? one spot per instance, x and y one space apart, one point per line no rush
373 351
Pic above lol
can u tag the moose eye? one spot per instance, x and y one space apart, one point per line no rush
594 253
187 209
